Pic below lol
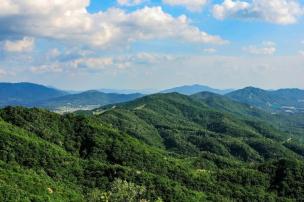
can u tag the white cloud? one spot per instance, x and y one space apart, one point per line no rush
266 48
301 52
117 62
93 63
69 21
192 5
88 63
153 23
24 45
2 73
150 58
7 7
229 8
53 53
210 50
274 11
129 2
47 68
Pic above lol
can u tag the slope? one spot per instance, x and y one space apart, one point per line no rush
25 93
283 100
177 147
184 125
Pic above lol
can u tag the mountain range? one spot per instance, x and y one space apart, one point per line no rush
26 93
161 147
85 100
282 100
192 89
34 95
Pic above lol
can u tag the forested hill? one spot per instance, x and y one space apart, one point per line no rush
164 147
26 93
282 100
185 125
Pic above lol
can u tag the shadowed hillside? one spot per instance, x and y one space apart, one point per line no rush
25 93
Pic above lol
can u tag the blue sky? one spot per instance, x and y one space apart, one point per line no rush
137 44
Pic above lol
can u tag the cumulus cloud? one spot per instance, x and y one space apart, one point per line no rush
64 63
69 21
118 62
129 2
24 45
192 5
230 8
266 48
274 11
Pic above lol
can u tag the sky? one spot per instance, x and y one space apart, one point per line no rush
152 44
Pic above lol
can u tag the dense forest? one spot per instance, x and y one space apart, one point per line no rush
162 147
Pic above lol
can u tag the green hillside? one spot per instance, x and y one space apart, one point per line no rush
289 123
164 147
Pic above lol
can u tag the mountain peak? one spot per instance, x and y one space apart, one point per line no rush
252 88
25 93
286 100
196 88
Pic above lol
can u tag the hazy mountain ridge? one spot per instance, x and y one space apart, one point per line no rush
192 89
35 95
282 100
85 100
26 93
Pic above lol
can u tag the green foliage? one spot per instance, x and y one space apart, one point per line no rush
120 191
18 184
158 148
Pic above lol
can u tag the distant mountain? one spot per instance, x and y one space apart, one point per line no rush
86 100
189 90
25 93
287 100
127 91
